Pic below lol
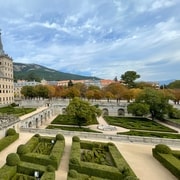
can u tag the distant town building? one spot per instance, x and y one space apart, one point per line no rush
65 82
106 82
20 84
88 82
6 77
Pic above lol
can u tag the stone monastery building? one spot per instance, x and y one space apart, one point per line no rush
6 77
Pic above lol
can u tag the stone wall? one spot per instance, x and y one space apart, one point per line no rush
119 138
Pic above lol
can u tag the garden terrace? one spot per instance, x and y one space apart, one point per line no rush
66 120
16 111
34 156
137 123
97 159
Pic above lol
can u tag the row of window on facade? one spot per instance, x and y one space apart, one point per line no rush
7 69
6 86
6 91
6 80
6 99
9 75
6 63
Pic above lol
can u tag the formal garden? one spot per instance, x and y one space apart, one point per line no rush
67 123
139 126
97 160
15 110
39 158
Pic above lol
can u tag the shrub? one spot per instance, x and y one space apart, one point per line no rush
12 159
22 149
10 132
7 172
75 161
162 148
73 173
130 178
52 157
7 140
37 135
32 143
76 139
50 168
110 144
59 137
174 113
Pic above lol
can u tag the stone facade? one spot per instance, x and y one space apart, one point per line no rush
6 78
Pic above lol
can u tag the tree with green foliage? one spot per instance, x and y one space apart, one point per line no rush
156 100
72 92
129 77
82 111
41 91
138 109
28 91
36 91
174 85
174 113
33 77
82 89
70 83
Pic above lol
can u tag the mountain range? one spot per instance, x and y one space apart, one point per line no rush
38 72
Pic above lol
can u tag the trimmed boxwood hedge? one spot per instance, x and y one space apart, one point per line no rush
32 143
19 176
7 172
31 162
167 159
12 159
137 123
6 141
93 169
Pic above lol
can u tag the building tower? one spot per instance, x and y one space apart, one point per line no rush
6 77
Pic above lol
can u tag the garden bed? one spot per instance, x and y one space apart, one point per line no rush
67 120
17 111
137 123
40 156
97 159
151 134
72 128
168 158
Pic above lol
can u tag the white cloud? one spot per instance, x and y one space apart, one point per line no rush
162 4
102 38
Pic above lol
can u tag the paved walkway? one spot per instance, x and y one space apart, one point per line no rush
102 122
139 157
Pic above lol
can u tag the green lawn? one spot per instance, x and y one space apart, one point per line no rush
151 134
71 128
137 123
175 120
66 120
17 111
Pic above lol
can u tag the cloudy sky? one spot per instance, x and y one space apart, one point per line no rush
102 38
